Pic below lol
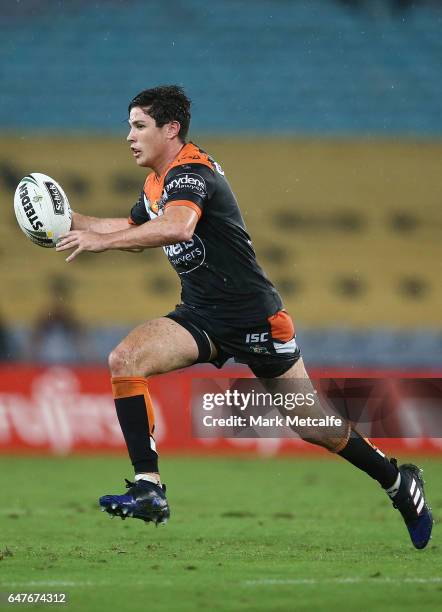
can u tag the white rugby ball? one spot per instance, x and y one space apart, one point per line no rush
42 209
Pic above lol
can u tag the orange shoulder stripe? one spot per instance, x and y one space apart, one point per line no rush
187 203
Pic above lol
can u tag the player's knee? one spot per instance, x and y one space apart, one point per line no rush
116 362
121 362
126 361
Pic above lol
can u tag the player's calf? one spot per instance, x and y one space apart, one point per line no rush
137 420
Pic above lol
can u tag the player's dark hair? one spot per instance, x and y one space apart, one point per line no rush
164 104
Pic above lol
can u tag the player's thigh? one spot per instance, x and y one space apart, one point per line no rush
155 347
296 371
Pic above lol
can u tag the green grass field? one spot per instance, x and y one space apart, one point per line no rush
246 534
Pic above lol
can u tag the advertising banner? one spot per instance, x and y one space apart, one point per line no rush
61 410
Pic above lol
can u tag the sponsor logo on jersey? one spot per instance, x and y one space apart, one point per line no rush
186 256
56 198
187 182
28 208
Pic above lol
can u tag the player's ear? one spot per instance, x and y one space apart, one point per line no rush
173 129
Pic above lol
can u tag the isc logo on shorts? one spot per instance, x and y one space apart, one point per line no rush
257 337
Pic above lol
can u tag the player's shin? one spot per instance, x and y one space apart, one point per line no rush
135 414
364 455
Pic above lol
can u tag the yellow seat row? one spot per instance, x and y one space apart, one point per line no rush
348 231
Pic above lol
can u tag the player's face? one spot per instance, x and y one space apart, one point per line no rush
147 141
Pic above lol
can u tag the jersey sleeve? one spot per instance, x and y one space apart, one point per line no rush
138 214
191 184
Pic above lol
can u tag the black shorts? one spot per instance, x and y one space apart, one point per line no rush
269 349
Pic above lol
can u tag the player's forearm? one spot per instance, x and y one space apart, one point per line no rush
95 224
176 225
156 233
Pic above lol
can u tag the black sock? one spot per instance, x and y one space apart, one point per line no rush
134 423
368 459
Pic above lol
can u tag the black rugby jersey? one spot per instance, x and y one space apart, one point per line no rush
218 269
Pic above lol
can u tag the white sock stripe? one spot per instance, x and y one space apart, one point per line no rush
413 486
416 497
419 508
391 492
153 479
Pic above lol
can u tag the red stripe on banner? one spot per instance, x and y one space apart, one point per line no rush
64 410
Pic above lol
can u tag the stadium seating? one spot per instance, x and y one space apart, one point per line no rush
347 228
281 67
341 225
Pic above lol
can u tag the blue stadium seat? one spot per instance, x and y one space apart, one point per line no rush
281 67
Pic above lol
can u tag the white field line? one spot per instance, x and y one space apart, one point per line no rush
344 580
251 583
45 583
35 584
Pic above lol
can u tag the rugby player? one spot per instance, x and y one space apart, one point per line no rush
188 208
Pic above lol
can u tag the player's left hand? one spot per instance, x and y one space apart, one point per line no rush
81 240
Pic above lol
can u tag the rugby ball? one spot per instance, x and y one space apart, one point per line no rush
42 209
